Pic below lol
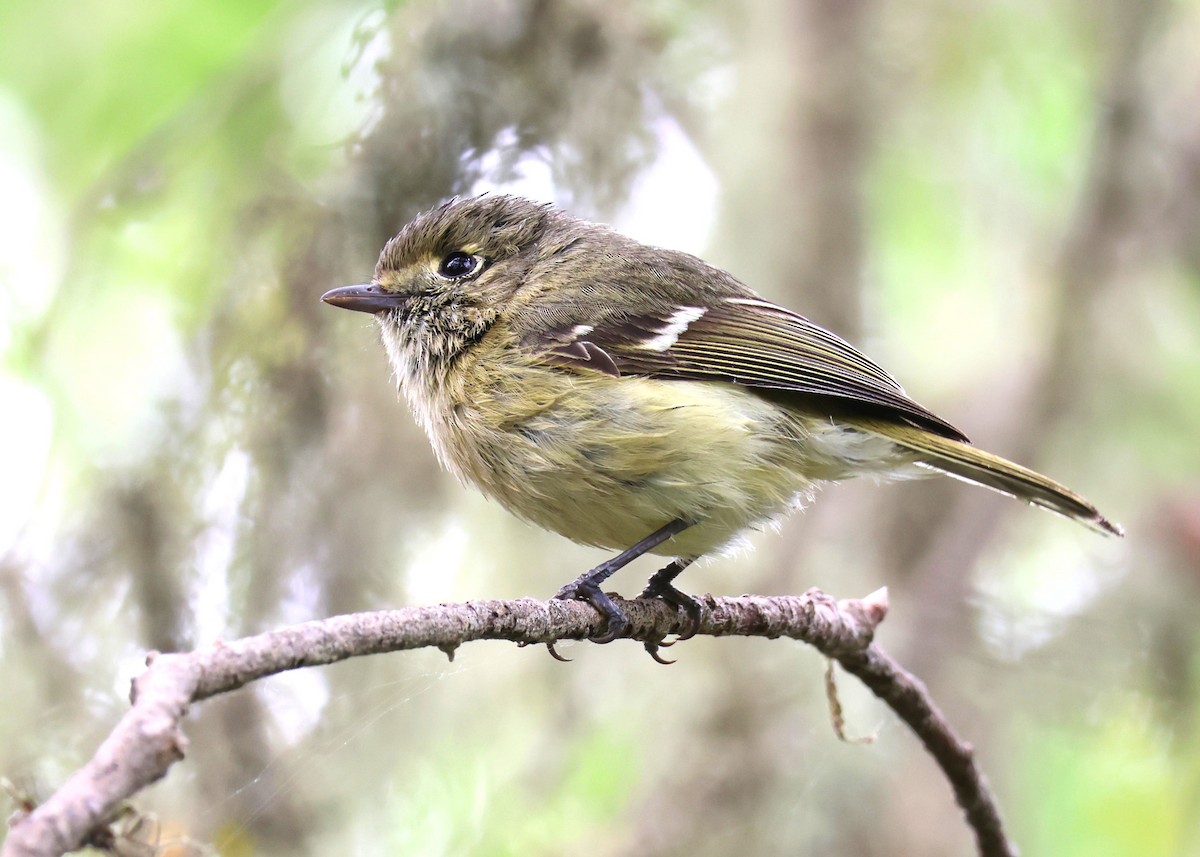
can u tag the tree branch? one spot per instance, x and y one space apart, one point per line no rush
907 695
149 739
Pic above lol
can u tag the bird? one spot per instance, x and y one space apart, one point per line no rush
636 398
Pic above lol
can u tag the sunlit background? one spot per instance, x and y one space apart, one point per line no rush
999 201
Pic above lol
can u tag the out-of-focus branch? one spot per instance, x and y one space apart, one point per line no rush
832 132
148 739
1108 219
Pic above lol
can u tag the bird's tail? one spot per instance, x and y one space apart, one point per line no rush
964 461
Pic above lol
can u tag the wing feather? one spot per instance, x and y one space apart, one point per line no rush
740 340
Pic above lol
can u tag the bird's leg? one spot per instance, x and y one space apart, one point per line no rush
660 586
587 586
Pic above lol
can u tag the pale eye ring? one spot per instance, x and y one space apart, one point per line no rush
459 265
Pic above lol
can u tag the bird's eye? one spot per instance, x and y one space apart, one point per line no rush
458 265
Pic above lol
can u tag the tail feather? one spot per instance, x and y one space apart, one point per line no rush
968 462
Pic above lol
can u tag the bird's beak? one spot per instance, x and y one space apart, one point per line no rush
364 298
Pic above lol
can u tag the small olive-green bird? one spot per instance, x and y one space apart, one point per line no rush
636 398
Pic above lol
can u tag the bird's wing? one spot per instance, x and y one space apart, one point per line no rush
740 340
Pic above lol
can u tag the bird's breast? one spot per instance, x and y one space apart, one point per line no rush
607 461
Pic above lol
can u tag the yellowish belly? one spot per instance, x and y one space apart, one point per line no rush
606 462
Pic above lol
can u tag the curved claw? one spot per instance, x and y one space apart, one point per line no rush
617 628
692 630
652 651
554 654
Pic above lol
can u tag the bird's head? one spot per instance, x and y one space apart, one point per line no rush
443 280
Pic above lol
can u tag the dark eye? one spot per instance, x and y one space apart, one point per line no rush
458 264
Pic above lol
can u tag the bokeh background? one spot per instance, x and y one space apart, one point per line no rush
999 201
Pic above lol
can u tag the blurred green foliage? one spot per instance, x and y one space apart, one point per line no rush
1109 791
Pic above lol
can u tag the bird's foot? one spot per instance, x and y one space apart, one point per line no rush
661 587
616 623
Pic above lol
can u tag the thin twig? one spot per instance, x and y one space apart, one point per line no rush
149 739
907 695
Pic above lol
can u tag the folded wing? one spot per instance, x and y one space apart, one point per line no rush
739 340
